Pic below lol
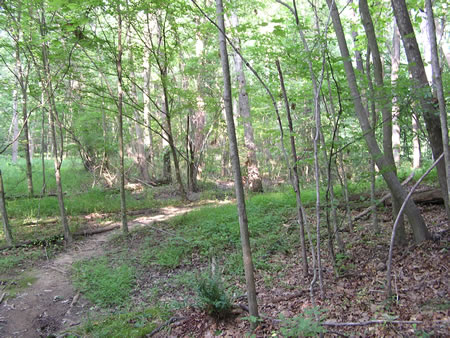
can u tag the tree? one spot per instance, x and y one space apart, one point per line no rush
243 221
53 119
415 218
123 205
439 90
6 226
420 83
254 178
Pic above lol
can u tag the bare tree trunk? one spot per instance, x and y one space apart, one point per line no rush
6 226
439 90
15 128
141 158
395 61
147 103
23 82
254 178
43 144
294 175
417 151
379 96
243 222
52 118
123 205
429 111
415 218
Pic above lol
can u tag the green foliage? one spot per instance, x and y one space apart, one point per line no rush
302 325
14 258
131 324
212 297
103 284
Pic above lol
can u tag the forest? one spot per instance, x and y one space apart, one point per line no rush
200 168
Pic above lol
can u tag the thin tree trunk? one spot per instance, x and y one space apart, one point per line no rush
147 103
23 82
395 61
379 97
295 180
243 222
439 90
43 145
429 111
141 158
417 151
15 128
415 218
52 117
254 178
6 226
123 206
371 109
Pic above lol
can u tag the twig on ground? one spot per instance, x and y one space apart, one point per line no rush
161 230
167 323
2 297
372 322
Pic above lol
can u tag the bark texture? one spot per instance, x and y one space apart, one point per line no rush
243 222
254 178
6 226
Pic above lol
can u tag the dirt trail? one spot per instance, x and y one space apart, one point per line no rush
48 305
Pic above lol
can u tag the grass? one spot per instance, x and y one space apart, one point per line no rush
130 324
20 258
103 284
17 284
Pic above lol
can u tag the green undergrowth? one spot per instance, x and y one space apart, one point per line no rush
104 284
22 258
129 324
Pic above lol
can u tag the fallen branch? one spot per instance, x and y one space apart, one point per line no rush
167 323
287 297
372 322
2 297
384 198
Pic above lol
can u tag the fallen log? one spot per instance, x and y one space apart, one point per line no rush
382 200
428 196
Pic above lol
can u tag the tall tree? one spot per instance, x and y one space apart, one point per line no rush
380 94
243 221
395 67
123 205
254 178
415 218
430 112
438 88
53 119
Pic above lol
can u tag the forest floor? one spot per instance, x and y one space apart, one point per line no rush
48 302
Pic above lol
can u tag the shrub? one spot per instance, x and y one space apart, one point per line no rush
213 297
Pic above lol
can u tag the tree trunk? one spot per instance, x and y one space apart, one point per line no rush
123 205
6 226
415 218
254 179
23 82
294 175
395 61
380 93
147 104
52 117
439 90
141 158
15 128
429 111
243 222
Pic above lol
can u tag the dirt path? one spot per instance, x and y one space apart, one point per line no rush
51 304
